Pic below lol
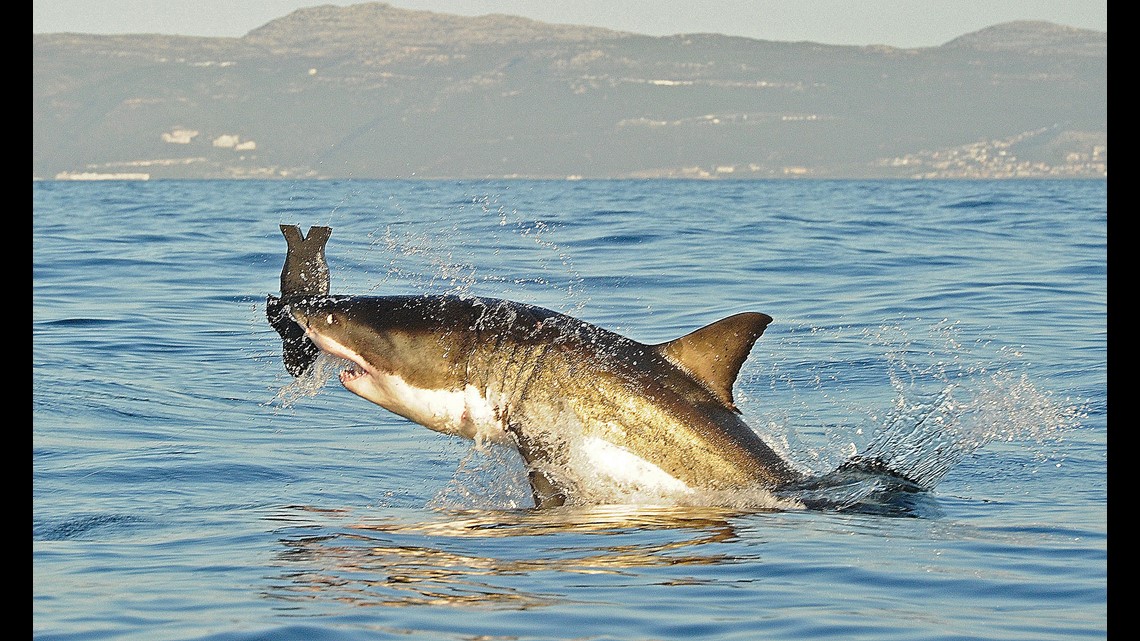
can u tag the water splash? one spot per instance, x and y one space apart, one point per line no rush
434 262
948 398
488 477
441 270
312 381
978 400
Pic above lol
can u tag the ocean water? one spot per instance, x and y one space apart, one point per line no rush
186 487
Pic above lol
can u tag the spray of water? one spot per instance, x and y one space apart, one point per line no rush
488 477
947 398
430 262
324 369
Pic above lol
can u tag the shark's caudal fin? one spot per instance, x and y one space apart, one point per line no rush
714 354
858 468
862 484
305 273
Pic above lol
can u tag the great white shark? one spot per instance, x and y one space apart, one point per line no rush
555 387
583 406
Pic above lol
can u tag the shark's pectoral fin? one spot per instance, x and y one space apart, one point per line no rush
714 353
297 351
546 493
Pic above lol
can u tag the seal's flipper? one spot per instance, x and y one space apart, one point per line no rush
305 273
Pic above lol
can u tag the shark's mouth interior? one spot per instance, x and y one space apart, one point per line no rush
351 372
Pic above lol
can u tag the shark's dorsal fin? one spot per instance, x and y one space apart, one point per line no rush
714 353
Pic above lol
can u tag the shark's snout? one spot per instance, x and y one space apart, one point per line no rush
299 316
322 325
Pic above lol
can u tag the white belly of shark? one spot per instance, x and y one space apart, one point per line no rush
466 412
617 473
610 471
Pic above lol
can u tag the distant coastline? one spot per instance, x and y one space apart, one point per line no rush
373 91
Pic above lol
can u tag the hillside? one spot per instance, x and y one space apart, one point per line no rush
372 91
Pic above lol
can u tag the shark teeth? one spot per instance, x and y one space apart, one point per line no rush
350 373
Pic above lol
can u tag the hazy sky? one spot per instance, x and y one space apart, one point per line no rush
899 23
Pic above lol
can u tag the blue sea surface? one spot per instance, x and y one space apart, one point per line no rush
186 487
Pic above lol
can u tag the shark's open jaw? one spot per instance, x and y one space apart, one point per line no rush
354 369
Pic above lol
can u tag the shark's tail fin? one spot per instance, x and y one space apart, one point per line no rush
859 468
873 466
861 484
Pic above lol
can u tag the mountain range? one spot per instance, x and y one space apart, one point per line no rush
374 91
